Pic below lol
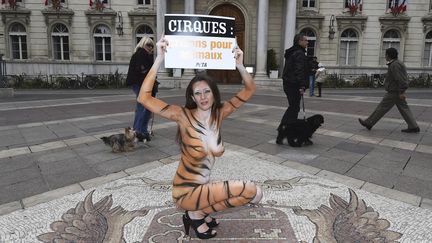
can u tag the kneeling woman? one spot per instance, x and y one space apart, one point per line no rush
200 142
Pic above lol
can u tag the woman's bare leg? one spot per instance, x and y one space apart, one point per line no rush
217 196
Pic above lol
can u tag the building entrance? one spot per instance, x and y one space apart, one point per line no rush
229 10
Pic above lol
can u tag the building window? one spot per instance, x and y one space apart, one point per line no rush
18 40
102 40
427 57
308 4
348 47
144 30
144 2
391 38
310 34
60 42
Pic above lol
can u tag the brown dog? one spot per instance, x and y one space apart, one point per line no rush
121 142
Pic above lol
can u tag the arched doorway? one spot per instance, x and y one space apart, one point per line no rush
229 10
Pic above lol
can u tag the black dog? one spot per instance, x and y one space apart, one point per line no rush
298 133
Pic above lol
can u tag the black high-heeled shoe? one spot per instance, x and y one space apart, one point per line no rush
213 223
195 223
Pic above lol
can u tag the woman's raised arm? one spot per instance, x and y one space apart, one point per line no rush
153 104
244 94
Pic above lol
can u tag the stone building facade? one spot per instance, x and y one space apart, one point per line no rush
347 36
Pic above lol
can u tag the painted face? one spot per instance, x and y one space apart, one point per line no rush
202 95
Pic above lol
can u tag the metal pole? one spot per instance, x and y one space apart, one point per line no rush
304 112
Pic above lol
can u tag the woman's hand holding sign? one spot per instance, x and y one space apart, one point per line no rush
144 96
162 45
249 82
238 55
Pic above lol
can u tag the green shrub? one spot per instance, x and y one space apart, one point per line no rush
271 61
420 81
334 81
361 82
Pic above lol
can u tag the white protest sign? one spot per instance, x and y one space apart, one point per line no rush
199 41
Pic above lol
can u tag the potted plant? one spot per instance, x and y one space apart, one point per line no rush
272 66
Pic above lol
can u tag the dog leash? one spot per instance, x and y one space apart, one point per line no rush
304 112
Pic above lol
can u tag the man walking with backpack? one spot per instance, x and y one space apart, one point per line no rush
295 81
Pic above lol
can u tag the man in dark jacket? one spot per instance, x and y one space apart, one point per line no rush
295 81
396 82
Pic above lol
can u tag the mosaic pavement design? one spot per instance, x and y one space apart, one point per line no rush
296 207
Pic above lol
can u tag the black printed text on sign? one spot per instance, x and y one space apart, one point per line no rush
199 42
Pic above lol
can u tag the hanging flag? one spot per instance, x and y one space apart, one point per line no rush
360 5
398 6
403 6
354 6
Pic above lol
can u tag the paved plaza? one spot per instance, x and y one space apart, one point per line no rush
57 175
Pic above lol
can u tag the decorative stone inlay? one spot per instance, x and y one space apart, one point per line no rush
274 233
91 222
237 225
261 216
349 222
139 208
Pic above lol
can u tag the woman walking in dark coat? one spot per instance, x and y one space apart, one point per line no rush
139 65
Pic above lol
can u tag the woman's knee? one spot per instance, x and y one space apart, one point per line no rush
252 191
258 195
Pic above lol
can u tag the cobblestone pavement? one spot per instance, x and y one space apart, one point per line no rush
51 158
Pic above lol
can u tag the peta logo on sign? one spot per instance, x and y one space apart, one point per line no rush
199 41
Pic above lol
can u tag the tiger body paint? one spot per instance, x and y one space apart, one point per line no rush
201 143
199 124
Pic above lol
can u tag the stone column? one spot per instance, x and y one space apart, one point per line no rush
161 10
262 32
290 23
189 8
